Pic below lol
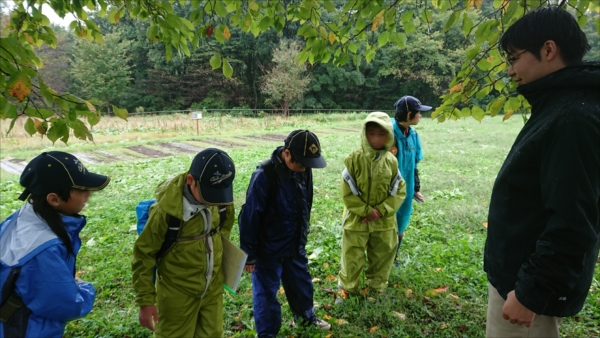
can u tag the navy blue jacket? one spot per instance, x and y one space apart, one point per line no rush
286 215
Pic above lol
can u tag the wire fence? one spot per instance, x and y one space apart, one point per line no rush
258 111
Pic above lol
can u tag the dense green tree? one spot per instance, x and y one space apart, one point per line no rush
287 81
101 71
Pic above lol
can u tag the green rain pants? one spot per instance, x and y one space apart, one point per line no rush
180 315
381 247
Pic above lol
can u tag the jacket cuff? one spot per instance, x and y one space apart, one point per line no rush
251 260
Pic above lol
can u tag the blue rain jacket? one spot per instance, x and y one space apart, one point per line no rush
286 227
46 282
409 155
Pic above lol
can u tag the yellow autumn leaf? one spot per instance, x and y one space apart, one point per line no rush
249 292
456 88
438 269
329 335
371 299
331 278
327 317
325 265
253 5
377 20
397 286
28 38
226 33
364 291
331 38
507 114
281 290
316 280
401 316
19 90
39 126
341 321
485 224
343 294
453 296
478 3
408 293
373 329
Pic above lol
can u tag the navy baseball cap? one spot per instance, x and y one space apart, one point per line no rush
409 103
56 170
215 172
306 148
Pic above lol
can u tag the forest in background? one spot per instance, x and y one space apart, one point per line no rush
131 72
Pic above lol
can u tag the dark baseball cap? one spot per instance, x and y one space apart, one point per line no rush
56 170
215 172
306 148
409 103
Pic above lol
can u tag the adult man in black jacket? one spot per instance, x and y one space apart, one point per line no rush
544 217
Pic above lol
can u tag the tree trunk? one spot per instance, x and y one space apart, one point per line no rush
285 106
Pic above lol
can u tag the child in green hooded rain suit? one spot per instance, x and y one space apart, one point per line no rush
372 190
187 298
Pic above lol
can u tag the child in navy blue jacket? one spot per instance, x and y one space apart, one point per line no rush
274 231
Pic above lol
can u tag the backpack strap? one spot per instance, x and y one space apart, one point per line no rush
175 226
173 231
11 302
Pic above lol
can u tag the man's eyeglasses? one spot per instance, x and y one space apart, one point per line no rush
510 59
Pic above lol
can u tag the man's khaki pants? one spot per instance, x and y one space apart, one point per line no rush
542 326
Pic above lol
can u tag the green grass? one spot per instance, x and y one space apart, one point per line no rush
443 246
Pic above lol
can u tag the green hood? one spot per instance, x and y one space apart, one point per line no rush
168 195
385 122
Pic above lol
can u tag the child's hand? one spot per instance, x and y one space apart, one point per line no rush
419 197
249 268
148 316
373 216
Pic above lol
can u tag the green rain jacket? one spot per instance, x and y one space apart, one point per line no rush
191 266
378 181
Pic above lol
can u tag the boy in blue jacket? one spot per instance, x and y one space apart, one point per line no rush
274 226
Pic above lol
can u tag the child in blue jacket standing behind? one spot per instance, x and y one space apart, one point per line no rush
409 154
39 243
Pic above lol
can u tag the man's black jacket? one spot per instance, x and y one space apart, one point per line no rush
544 217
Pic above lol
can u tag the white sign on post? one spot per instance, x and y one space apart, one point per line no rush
196 115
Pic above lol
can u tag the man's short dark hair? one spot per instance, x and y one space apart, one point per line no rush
549 23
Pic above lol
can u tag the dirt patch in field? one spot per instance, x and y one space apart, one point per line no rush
147 151
87 157
275 137
20 161
220 143
260 138
175 148
348 130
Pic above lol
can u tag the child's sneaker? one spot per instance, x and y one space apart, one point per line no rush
322 325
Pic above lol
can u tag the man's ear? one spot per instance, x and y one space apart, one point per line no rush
53 199
190 180
550 51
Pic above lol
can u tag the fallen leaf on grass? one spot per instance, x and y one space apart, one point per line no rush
343 294
397 286
373 329
325 265
331 278
79 273
443 326
453 296
436 291
327 306
438 269
281 290
327 317
485 224
249 292
402 316
371 299
329 335
408 293
364 291
341 321
316 280
237 327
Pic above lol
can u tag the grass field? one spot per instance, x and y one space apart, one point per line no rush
440 289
